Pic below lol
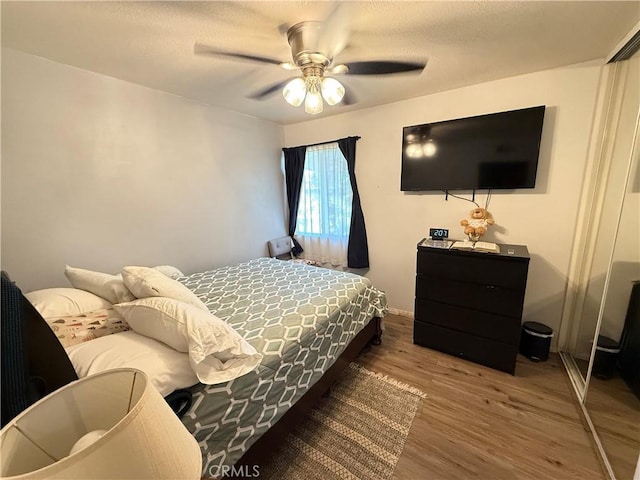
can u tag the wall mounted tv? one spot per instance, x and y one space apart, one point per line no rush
493 151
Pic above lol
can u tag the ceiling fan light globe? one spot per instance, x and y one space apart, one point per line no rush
295 91
313 102
332 90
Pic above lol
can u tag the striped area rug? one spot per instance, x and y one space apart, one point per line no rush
358 431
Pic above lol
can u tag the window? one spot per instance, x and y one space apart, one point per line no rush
324 208
325 197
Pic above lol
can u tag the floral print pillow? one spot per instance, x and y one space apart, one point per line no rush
82 327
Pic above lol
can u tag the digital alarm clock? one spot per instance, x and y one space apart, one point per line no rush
439 233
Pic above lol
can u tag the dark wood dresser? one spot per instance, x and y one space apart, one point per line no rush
469 304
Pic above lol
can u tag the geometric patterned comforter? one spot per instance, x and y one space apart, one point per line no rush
300 318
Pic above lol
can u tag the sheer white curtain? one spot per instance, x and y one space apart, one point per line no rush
324 211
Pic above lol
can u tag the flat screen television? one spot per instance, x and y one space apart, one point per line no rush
493 151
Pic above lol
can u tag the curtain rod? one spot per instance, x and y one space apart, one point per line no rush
357 137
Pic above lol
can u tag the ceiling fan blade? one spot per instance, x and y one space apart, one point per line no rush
349 98
271 89
383 67
335 30
200 49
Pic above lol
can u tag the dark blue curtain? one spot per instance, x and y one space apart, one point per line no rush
358 247
293 171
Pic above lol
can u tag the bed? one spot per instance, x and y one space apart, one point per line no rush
305 322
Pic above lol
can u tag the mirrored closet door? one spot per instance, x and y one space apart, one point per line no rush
600 338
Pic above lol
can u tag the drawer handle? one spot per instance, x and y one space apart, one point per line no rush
490 286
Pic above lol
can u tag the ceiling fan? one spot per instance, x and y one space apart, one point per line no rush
314 45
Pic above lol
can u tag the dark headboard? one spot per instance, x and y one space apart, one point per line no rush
34 362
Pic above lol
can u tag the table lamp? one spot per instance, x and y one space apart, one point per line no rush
112 425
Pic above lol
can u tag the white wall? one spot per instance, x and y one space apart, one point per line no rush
542 218
99 173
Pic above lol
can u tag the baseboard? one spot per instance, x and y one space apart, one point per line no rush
402 313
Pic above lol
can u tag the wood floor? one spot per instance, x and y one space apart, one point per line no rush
478 423
615 412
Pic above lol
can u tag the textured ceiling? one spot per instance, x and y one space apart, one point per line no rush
151 43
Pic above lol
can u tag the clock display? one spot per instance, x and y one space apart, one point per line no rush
439 233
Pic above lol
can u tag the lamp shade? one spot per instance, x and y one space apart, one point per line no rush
142 437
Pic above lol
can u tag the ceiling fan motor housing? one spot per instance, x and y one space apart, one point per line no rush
304 39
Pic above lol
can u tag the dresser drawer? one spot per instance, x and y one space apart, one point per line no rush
486 298
474 322
487 352
484 268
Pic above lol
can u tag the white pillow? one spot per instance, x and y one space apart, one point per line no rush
104 285
51 302
159 318
216 351
169 270
146 282
167 369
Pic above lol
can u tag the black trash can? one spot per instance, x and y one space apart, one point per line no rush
604 362
535 341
